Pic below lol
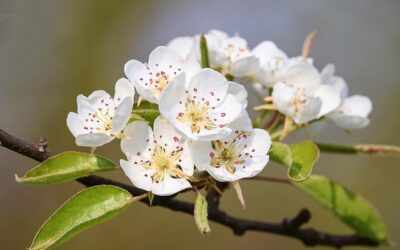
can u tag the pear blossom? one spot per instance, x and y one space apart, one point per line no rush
100 117
184 45
242 154
157 161
230 55
354 110
200 108
301 94
271 60
164 65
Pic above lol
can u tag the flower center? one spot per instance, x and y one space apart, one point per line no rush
159 83
196 116
100 121
234 52
163 163
227 155
299 100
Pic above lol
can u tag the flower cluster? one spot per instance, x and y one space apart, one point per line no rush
203 123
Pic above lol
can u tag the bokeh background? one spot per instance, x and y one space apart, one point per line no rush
51 51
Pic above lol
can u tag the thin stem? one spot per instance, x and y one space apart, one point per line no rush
372 149
276 135
260 118
139 197
273 122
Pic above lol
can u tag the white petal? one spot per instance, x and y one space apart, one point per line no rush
328 77
267 51
182 45
244 66
139 176
327 73
162 57
218 33
251 168
122 114
191 67
146 93
350 122
236 42
123 88
242 122
96 96
208 84
139 75
139 139
353 113
134 70
93 140
309 111
357 105
186 163
283 96
169 186
173 95
300 73
88 105
239 92
166 135
200 153
258 142
227 111
75 124
330 97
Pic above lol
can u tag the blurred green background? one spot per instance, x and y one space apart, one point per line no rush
51 51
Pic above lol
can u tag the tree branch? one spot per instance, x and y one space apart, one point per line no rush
289 227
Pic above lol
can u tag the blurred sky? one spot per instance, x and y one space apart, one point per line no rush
51 51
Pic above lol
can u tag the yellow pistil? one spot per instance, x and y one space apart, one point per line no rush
103 117
227 155
195 115
161 83
164 163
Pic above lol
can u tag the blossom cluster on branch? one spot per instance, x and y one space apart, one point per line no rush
182 120
203 122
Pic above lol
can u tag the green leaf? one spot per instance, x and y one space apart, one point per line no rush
281 153
146 111
200 214
66 166
348 206
87 208
205 61
304 156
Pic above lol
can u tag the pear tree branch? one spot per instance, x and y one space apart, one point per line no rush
289 227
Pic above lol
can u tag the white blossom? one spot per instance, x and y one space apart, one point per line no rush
158 161
230 55
184 45
243 154
301 94
354 110
164 65
271 60
100 117
202 107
